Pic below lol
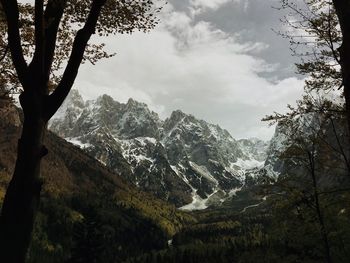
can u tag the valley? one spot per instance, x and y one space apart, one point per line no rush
178 190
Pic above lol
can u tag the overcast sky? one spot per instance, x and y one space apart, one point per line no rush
216 59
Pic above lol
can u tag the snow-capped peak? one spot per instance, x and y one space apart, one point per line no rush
182 159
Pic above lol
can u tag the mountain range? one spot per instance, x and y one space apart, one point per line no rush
183 160
98 201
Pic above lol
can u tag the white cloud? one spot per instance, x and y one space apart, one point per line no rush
197 7
209 4
193 67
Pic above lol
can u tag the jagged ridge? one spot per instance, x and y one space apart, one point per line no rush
181 159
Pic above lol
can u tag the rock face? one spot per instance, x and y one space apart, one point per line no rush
182 160
315 144
274 165
128 218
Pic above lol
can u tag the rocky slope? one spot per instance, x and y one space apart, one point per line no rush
82 200
312 143
182 160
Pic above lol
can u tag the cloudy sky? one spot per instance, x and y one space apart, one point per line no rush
216 59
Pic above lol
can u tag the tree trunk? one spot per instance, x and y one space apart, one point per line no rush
23 193
320 217
342 8
345 67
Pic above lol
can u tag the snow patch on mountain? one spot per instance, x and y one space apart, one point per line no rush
203 171
197 203
78 143
248 164
181 159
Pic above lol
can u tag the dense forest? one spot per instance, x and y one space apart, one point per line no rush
88 212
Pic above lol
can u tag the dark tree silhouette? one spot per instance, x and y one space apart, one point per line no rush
342 8
50 20
320 37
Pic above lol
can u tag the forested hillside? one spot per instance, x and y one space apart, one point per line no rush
90 214
256 170
87 211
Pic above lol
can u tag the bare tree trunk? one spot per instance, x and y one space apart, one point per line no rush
345 66
342 8
320 217
23 194
22 197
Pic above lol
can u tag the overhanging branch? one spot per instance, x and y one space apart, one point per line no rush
52 17
14 39
81 39
36 66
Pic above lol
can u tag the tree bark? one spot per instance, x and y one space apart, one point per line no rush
342 8
23 193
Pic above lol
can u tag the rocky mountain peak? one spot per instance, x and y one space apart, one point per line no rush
182 159
140 110
131 103
105 101
137 120
177 116
73 100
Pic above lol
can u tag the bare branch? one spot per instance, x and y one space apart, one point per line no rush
52 17
76 57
